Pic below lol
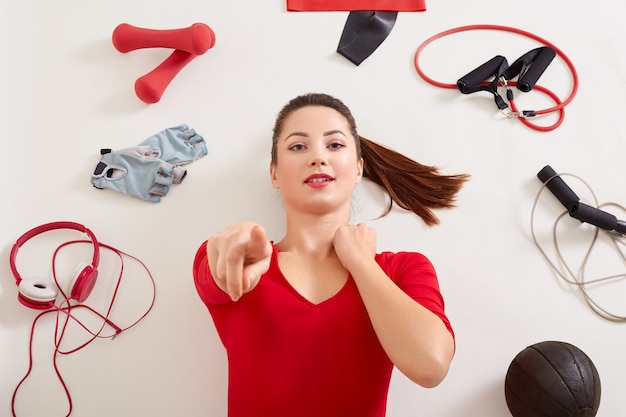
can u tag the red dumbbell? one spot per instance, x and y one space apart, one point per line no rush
197 38
187 44
150 87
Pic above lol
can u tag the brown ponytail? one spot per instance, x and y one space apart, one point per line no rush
411 185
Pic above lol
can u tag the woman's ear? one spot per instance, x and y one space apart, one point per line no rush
273 175
359 167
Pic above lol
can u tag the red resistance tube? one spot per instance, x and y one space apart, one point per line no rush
559 104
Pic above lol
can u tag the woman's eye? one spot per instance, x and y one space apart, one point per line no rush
336 145
296 147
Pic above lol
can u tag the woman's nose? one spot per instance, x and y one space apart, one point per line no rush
318 157
317 160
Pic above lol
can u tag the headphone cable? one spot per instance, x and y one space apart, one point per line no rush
66 308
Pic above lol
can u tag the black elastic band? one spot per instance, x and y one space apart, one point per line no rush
364 32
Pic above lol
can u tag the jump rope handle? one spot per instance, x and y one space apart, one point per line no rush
597 217
557 186
579 211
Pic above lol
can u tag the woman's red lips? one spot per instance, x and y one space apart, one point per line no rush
318 179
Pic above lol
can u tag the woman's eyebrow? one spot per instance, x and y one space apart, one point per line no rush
333 132
303 134
306 135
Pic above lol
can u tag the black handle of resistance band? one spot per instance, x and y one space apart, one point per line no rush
538 65
470 82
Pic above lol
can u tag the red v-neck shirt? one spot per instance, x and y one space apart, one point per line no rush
289 357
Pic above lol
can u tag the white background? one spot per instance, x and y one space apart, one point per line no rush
66 93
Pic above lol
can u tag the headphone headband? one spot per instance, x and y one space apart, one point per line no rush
48 227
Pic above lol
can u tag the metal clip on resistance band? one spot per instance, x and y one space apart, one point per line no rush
580 211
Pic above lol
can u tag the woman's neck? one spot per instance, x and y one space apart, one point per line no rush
311 234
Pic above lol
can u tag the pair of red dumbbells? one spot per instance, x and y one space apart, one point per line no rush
187 44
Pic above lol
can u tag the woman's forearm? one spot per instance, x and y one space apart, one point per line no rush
415 339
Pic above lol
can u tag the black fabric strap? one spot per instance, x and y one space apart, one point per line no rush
364 32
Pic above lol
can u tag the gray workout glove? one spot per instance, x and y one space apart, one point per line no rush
177 145
135 172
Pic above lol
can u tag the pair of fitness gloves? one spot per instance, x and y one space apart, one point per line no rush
148 170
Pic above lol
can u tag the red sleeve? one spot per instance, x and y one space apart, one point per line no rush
209 292
416 276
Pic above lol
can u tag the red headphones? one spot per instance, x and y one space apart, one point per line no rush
39 293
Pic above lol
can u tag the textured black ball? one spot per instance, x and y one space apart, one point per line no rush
552 379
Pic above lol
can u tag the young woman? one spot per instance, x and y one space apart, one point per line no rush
313 324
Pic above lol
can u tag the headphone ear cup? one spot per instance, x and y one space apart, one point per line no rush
36 293
82 282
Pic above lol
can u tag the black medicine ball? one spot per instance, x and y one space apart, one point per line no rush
552 379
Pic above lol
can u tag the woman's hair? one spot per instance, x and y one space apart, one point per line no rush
411 185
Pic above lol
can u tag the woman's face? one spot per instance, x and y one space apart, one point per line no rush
316 166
